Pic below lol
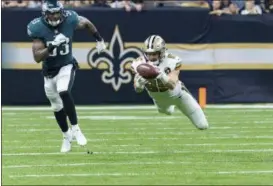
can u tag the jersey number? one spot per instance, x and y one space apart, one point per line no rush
63 49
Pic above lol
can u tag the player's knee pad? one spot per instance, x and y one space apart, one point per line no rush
56 103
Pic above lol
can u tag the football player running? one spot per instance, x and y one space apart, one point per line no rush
52 35
166 90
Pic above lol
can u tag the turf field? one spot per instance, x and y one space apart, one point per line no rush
138 146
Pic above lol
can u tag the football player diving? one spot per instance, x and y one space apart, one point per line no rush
166 90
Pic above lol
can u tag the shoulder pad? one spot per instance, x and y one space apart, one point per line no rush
178 59
173 58
34 28
72 17
70 14
178 62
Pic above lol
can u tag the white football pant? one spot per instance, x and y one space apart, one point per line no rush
63 81
185 102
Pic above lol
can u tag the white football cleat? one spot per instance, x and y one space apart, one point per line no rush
67 138
78 135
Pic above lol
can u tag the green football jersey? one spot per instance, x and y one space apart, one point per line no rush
62 55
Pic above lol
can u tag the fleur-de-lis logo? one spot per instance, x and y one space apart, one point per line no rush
117 59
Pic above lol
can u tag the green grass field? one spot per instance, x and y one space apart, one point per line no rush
138 146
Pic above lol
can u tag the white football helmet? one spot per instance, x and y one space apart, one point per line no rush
154 48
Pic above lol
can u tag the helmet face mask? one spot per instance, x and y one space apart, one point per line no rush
53 13
53 19
153 56
154 49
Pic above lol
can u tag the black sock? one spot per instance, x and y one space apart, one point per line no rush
61 120
69 107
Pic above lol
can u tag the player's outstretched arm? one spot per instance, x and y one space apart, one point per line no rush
139 83
40 52
169 80
85 23
173 78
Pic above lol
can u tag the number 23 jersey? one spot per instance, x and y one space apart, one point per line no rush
62 55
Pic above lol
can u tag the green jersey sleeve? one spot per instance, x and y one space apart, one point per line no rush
73 18
33 29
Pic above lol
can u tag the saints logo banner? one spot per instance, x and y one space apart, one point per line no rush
114 63
229 55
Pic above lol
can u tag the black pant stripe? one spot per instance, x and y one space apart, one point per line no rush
72 78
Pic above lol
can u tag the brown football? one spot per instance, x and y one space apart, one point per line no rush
147 71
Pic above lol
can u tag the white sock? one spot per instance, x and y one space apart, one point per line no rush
75 127
67 133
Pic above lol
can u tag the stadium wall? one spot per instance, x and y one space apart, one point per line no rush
232 56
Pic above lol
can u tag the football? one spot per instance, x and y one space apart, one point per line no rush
147 71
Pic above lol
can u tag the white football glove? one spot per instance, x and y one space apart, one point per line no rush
100 46
139 83
140 80
59 39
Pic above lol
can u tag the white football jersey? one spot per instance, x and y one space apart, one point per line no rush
169 63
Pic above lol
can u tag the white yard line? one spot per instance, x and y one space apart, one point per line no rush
245 106
114 164
135 107
144 133
103 163
137 174
38 108
151 111
10 113
91 112
39 129
140 132
155 123
146 145
247 172
149 138
240 110
144 152
94 117
81 175
109 118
